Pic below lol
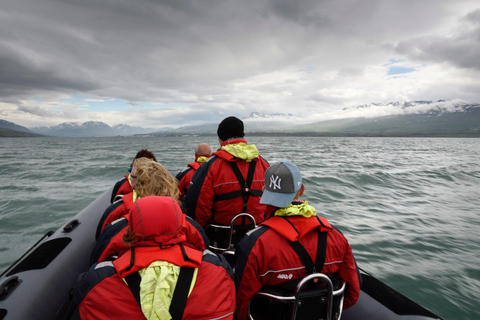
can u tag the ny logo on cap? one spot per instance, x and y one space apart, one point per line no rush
275 181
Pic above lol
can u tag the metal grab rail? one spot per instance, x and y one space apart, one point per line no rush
301 292
231 231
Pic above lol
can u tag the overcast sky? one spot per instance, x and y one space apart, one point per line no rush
168 63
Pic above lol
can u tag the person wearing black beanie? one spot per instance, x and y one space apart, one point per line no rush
230 127
230 182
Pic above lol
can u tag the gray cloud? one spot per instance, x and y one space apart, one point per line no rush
462 49
21 75
216 57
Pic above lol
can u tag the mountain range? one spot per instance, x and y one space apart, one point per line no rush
414 118
10 129
75 129
458 120
90 129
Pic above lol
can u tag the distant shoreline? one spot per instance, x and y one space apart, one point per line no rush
17 134
5 133
326 134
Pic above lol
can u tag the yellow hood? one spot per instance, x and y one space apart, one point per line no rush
241 150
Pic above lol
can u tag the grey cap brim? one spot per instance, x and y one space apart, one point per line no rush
280 200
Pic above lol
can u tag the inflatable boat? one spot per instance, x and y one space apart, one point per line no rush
40 284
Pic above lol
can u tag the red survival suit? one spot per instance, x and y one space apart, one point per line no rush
115 211
186 175
122 187
101 292
110 242
266 258
216 194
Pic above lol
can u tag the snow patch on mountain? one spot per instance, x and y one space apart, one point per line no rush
90 129
403 108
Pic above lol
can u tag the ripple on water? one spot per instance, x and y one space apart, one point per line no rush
409 207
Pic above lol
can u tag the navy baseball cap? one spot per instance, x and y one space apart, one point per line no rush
282 182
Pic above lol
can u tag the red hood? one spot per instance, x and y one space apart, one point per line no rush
157 219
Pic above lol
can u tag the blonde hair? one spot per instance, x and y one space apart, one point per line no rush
154 180
141 161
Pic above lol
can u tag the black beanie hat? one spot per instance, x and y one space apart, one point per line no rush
230 127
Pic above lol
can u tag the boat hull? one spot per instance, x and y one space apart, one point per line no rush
40 284
48 272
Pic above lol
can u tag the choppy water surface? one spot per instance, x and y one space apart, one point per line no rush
409 206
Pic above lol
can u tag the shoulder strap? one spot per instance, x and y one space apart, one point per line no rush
245 185
322 248
133 281
180 295
304 256
310 266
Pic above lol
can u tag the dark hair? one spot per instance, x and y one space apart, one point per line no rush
144 153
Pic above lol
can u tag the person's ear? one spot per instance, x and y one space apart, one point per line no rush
301 191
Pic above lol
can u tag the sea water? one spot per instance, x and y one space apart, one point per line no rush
410 207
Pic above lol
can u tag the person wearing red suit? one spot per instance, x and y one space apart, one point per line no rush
110 243
149 178
124 185
266 256
202 152
158 258
230 182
